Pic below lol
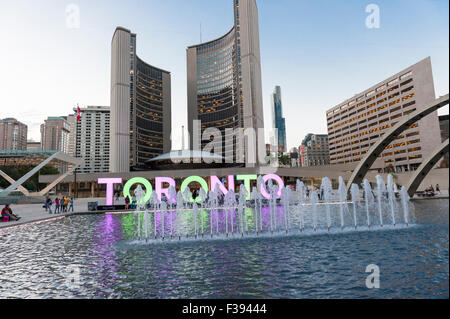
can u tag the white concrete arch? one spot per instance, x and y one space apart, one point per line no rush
373 153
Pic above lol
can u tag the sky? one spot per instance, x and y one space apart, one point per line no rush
320 52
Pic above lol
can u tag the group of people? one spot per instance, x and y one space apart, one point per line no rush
62 205
431 191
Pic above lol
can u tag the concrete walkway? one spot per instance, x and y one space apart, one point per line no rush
30 213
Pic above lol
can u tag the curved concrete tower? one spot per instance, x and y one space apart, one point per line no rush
140 107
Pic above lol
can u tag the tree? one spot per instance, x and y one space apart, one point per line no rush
32 184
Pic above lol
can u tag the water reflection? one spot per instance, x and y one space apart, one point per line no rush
414 262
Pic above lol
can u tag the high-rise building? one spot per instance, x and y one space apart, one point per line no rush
55 134
71 119
224 85
13 135
314 150
92 135
279 122
140 107
357 123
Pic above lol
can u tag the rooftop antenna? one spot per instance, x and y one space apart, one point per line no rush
201 33
182 138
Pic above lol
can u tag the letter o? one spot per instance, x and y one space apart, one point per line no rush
197 179
277 179
138 180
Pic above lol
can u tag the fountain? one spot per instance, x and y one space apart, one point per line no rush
381 193
405 203
391 197
354 191
369 199
342 191
180 217
327 193
314 201
301 197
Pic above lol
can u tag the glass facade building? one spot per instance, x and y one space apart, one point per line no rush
279 122
140 107
224 83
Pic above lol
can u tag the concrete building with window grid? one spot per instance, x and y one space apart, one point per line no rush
314 150
13 135
140 107
356 124
55 134
224 86
91 139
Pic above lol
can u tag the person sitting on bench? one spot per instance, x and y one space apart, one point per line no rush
7 212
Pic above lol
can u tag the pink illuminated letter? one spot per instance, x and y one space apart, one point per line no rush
159 183
214 180
277 179
109 188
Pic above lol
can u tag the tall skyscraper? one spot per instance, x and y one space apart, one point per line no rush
13 135
224 83
140 107
92 135
55 134
356 124
279 121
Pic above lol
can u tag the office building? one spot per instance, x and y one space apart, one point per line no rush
357 123
140 107
279 121
13 135
55 134
92 134
314 150
224 86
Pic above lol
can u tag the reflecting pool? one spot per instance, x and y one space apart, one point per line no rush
44 260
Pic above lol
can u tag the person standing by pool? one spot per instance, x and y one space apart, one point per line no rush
66 204
46 203
56 205
127 202
49 205
70 205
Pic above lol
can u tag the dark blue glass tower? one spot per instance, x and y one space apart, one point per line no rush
279 121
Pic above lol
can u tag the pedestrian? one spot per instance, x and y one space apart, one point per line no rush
57 205
61 205
70 205
46 203
438 189
66 203
49 205
127 202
